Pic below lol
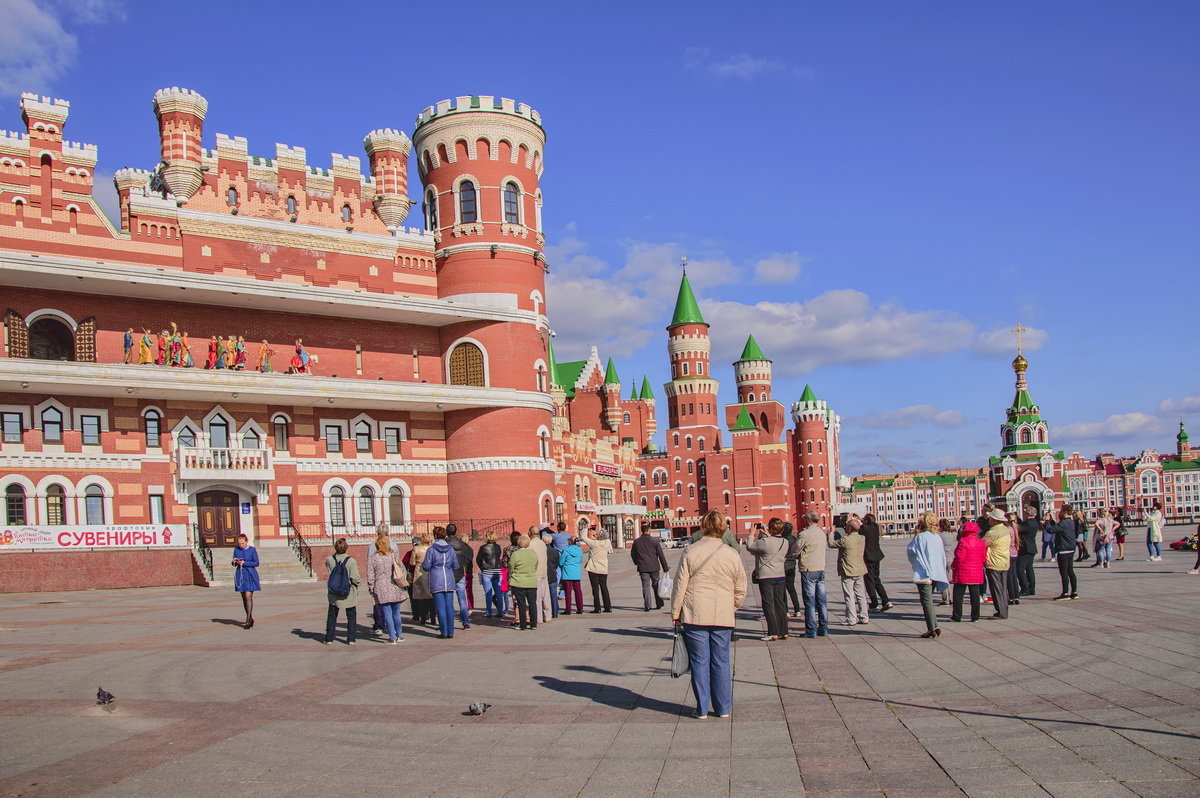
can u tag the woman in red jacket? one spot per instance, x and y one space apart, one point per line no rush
966 573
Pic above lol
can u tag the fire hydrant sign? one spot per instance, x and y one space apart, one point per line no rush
94 536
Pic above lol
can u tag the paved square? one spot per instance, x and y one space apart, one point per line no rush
1094 697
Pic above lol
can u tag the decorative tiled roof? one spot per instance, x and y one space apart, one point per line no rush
687 310
752 351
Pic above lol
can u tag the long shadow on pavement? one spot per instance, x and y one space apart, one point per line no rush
611 696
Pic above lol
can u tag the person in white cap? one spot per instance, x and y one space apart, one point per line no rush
998 540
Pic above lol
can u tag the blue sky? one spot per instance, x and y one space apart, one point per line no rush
877 190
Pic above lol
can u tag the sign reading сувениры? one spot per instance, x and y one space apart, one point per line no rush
100 536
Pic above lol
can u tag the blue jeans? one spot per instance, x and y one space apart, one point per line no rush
1047 546
712 676
443 605
492 597
1104 552
464 611
554 598
1153 547
391 619
816 606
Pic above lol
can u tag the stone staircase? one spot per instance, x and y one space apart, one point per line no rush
278 565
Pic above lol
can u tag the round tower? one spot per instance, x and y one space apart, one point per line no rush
480 159
180 115
752 371
388 150
692 392
814 441
612 397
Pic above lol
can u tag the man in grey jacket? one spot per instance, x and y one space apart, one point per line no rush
813 543
649 559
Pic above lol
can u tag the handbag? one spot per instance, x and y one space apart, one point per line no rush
399 573
503 580
664 587
680 664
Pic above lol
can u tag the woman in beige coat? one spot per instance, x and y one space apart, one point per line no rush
709 588
597 569
422 599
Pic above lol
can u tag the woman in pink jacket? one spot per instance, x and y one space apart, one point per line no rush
966 572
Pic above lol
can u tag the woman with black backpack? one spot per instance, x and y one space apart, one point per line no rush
343 591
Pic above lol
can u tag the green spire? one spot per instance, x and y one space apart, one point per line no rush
808 395
552 369
1182 436
687 310
633 396
610 374
751 351
647 391
744 422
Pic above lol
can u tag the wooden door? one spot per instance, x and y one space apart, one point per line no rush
220 517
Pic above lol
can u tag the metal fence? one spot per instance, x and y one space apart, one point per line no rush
320 533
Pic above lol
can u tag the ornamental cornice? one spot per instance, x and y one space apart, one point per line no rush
266 233
499 464
470 229
484 246
77 462
368 466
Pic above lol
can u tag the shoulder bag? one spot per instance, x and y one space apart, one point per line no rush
399 573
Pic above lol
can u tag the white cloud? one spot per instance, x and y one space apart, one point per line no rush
568 255
1117 428
782 267
905 417
1002 342
1187 406
36 47
740 66
585 311
654 269
837 327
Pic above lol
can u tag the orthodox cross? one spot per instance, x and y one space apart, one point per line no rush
1020 331
683 264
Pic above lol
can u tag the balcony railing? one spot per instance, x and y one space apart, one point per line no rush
201 462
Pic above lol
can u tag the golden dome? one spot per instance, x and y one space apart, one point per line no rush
1020 363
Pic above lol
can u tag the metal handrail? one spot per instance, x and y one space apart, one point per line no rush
203 551
301 548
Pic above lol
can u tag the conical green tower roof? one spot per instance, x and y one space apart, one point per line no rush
808 395
553 368
744 422
610 374
751 351
633 394
1182 436
647 391
687 310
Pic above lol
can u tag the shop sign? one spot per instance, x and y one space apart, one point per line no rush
606 470
585 507
652 514
94 536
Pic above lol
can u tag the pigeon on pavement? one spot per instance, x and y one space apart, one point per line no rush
104 697
478 708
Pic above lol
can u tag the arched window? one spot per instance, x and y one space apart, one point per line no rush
512 203
675 438
691 466
678 465
725 473
809 446
625 418
687 442
51 339
691 491
657 503
291 205
93 504
812 495
821 471
337 506
251 440
431 209
279 428
642 480
701 470
52 425
347 214
366 507
820 446
218 433
810 472
152 427
468 206
395 507
14 506
678 488
362 436
186 437
725 498
1026 436
466 365
1149 482
1009 438
700 442
544 444
1041 435
231 197
56 505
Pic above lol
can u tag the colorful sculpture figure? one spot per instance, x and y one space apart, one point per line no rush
220 352
239 360
300 359
144 357
187 351
174 350
128 342
265 353
230 351
161 359
211 362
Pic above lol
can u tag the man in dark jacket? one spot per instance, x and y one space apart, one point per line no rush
552 555
647 555
1028 532
873 557
462 575
789 569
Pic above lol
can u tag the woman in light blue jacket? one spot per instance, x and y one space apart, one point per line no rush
440 563
570 565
